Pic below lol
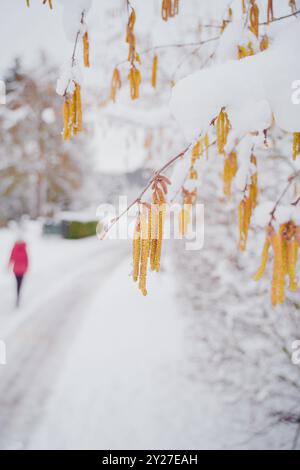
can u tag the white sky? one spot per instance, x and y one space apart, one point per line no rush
25 31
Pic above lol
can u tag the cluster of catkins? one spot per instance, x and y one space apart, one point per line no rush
254 25
149 233
200 147
169 9
247 49
285 245
134 78
249 201
134 75
189 196
72 113
284 242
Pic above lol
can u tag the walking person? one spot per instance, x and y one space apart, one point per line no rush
19 262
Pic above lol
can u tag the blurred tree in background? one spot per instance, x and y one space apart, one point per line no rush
39 172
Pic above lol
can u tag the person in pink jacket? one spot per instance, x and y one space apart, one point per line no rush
19 262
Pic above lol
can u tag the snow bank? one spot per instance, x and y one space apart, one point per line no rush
78 216
251 90
235 33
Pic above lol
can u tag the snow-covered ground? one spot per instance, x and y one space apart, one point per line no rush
63 277
92 364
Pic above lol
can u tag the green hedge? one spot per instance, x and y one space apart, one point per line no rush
74 230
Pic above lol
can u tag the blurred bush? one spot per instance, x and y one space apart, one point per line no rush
52 228
75 230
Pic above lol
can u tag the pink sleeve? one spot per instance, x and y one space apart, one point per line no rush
13 255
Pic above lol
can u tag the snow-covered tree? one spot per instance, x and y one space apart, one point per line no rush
38 171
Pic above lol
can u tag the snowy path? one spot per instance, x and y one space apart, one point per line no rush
128 382
123 373
92 364
38 336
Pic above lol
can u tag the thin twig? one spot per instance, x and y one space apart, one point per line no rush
296 202
187 177
195 51
169 46
73 58
201 43
76 41
274 20
149 184
129 6
165 167
266 23
290 181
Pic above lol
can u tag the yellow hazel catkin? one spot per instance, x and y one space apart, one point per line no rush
254 18
184 220
160 232
223 128
86 50
230 170
264 260
136 251
296 145
169 9
115 84
292 256
134 78
144 253
277 290
66 115
154 72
